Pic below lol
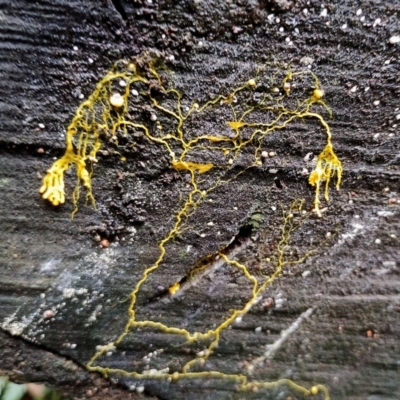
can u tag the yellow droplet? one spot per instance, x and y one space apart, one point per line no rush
318 94
251 82
191 166
174 288
314 390
236 124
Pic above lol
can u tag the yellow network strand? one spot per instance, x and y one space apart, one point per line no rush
288 227
100 114
108 112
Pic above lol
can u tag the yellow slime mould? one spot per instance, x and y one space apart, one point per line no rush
191 166
108 113
52 188
280 259
236 124
327 166
174 288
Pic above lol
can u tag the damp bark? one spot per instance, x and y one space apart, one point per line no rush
83 270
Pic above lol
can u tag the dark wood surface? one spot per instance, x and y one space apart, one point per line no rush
53 51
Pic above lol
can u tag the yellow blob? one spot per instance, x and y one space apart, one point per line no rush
251 82
236 124
318 94
52 188
191 166
174 288
314 390
328 165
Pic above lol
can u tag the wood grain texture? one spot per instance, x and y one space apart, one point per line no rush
53 51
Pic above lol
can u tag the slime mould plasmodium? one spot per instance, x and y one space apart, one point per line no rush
111 111
107 109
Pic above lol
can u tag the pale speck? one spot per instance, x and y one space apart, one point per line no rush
344 26
75 48
117 100
354 89
258 329
122 83
378 241
135 92
308 156
324 12
376 102
377 22
366 89
359 12
305 11
394 39
278 20
41 126
387 62
91 61
281 29
48 314
362 19
72 346
81 96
